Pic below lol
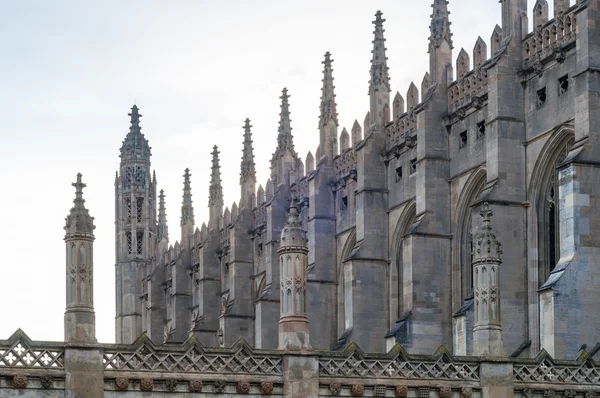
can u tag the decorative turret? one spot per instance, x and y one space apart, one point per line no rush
248 172
440 41
293 254
215 197
187 211
80 321
284 158
135 147
379 85
487 330
328 118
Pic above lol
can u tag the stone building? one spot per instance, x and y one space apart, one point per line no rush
445 248
390 206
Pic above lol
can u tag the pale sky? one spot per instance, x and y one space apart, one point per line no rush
71 70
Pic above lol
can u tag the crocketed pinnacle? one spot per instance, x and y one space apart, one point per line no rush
163 229
328 105
187 208
440 25
135 146
285 140
216 190
292 234
248 169
79 221
487 246
379 69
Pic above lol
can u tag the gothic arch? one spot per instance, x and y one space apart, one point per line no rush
395 279
541 218
344 294
461 251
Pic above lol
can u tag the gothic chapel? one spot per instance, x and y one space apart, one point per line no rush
384 236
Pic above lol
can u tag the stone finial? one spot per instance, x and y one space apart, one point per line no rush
479 53
561 7
367 122
260 195
344 140
187 207
440 25
380 79
79 221
463 64
398 105
163 229
425 84
412 96
247 168
309 163
328 105
540 13
135 146
234 212
496 40
285 140
487 247
226 217
270 190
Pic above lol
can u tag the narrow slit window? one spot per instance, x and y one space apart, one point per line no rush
563 85
139 207
463 139
128 210
129 242
541 97
398 173
413 166
481 129
140 242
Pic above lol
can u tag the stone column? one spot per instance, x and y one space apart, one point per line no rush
80 320
487 332
83 357
293 259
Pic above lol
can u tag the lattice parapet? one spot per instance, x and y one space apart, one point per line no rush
401 130
548 372
550 37
345 165
357 365
193 359
462 92
260 215
22 354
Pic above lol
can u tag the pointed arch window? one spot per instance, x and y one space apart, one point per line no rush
139 207
128 210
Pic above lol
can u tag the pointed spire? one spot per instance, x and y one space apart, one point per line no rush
356 132
398 105
163 229
215 190
285 140
248 171
310 163
328 105
135 146
440 25
187 208
79 220
367 122
344 140
412 96
379 68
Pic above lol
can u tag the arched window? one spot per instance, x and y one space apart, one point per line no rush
400 264
548 210
345 286
462 256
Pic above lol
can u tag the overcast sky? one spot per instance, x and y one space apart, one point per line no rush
71 70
